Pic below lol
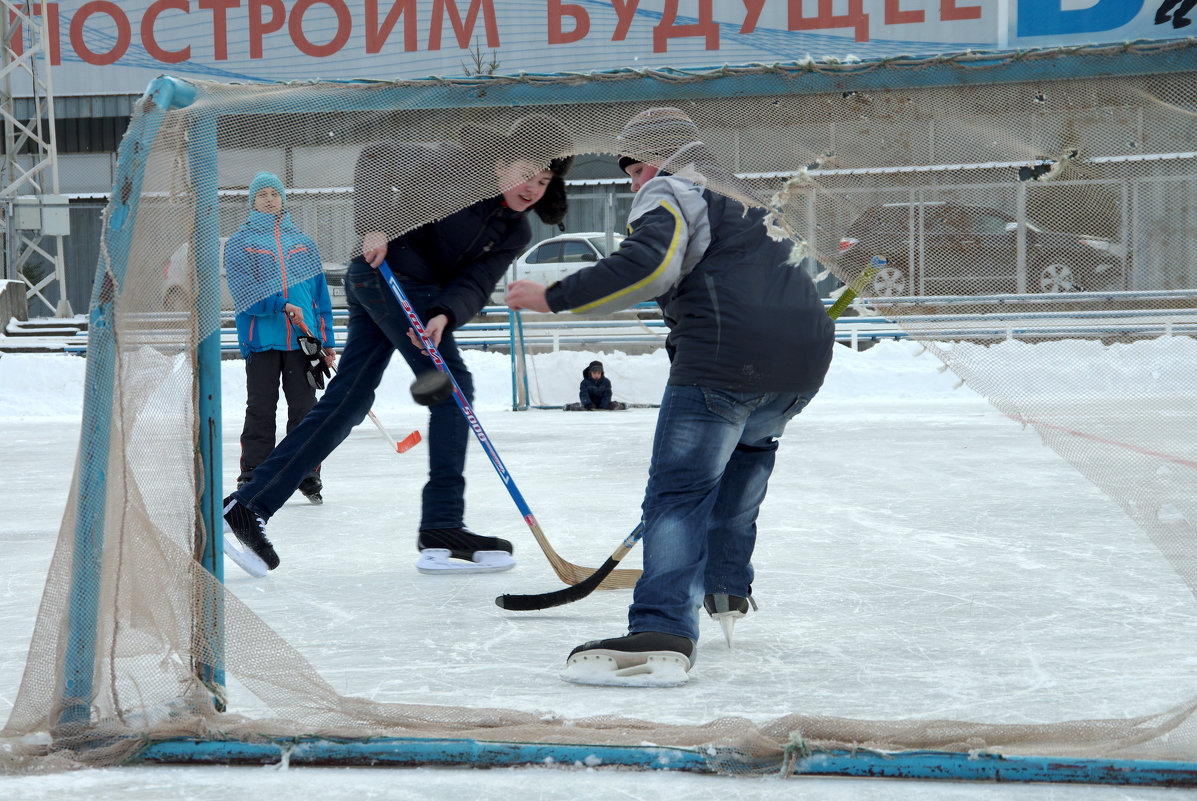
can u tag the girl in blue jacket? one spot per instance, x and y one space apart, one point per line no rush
277 282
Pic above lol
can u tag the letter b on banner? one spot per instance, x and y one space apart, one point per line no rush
1048 18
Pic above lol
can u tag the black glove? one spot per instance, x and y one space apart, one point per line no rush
314 363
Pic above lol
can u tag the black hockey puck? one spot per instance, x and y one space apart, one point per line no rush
431 388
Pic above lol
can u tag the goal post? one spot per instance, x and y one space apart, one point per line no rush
209 550
95 451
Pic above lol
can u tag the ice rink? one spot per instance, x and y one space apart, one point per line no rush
920 556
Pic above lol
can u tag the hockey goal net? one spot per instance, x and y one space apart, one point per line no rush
1028 217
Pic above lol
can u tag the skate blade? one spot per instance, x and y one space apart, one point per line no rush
727 622
243 557
606 668
434 561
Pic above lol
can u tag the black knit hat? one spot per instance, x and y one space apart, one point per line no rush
595 367
537 138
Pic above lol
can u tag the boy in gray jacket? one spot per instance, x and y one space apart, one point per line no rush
749 345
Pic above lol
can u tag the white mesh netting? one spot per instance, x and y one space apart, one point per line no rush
1037 234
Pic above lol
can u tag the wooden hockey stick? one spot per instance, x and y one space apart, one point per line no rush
567 595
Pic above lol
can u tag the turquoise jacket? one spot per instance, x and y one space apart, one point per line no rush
268 264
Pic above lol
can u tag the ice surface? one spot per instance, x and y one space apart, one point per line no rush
920 556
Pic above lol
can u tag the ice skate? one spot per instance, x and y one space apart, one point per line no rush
248 530
311 488
645 659
727 609
450 550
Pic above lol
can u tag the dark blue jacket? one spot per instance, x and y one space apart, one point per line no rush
743 315
268 264
593 393
464 253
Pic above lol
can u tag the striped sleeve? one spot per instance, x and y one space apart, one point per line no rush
647 264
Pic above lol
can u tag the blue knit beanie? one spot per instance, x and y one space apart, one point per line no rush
263 180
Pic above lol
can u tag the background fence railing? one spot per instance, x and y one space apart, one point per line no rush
1160 313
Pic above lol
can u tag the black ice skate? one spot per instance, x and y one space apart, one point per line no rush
311 487
645 659
258 556
726 610
448 550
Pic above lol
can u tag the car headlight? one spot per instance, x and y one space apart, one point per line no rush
1096 244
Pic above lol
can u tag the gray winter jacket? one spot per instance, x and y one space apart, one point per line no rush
743 316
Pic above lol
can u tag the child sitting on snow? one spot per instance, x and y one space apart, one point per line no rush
594 392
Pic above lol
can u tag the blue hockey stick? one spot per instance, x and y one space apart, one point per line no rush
566 571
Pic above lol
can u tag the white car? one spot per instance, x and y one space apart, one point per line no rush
552 259
177 288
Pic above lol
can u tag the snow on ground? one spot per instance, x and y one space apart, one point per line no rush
920 556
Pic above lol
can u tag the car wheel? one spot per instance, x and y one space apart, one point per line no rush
1057 275
890 281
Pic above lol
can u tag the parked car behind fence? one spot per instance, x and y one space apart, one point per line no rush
950 249
552 259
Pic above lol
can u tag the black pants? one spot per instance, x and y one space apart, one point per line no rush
1179 20
263 371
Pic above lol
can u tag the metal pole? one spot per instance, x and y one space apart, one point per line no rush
208 534
64 303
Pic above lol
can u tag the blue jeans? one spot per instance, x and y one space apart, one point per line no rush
377 328
713 452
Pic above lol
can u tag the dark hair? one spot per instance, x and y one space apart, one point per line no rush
552 206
